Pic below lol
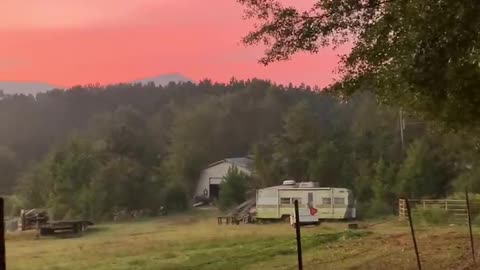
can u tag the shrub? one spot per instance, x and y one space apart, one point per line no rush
476 220
378 209
434 216
175 197
233 189
12 205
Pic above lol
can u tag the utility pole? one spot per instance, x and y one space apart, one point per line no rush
402 127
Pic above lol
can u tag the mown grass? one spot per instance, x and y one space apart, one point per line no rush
183 242
197 242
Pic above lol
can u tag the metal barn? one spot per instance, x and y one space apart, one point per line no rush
208 185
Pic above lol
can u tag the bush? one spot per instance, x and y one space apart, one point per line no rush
378 209
13 205
434 216
233 189
176 197
476 220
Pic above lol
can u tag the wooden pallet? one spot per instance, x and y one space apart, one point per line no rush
227 220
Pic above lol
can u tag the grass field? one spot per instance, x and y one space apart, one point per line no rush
197 242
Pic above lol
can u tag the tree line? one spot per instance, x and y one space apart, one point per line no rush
92 150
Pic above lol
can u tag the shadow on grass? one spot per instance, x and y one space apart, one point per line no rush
68 234
226 256
97 230
32 234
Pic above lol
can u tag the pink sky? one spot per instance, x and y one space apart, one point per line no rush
67 42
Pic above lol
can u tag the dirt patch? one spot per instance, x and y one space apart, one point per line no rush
439 250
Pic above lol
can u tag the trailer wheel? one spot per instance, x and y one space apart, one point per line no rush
286 218
75 228
46 231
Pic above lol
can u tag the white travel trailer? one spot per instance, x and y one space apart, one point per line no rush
315 203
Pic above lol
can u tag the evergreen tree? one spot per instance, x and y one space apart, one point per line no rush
233 189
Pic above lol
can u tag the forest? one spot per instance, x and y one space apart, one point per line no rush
91 150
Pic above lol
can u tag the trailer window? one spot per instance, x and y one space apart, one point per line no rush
327 201
284 200
339 201
298 199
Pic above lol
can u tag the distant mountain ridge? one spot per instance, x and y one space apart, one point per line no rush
39 87
26 88
164 79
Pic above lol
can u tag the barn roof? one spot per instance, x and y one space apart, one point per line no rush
244 162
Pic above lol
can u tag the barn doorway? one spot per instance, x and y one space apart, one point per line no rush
214 187
214 191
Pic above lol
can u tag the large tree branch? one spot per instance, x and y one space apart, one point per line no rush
286 30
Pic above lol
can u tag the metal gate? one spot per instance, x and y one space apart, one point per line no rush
456 209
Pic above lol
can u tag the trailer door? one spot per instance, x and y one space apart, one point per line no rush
310 200
332 203
324 201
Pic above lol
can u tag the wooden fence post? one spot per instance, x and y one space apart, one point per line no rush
470 225
299 240
419 264
3 262
400 208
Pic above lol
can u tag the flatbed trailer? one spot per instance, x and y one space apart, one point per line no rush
37 219
74 226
